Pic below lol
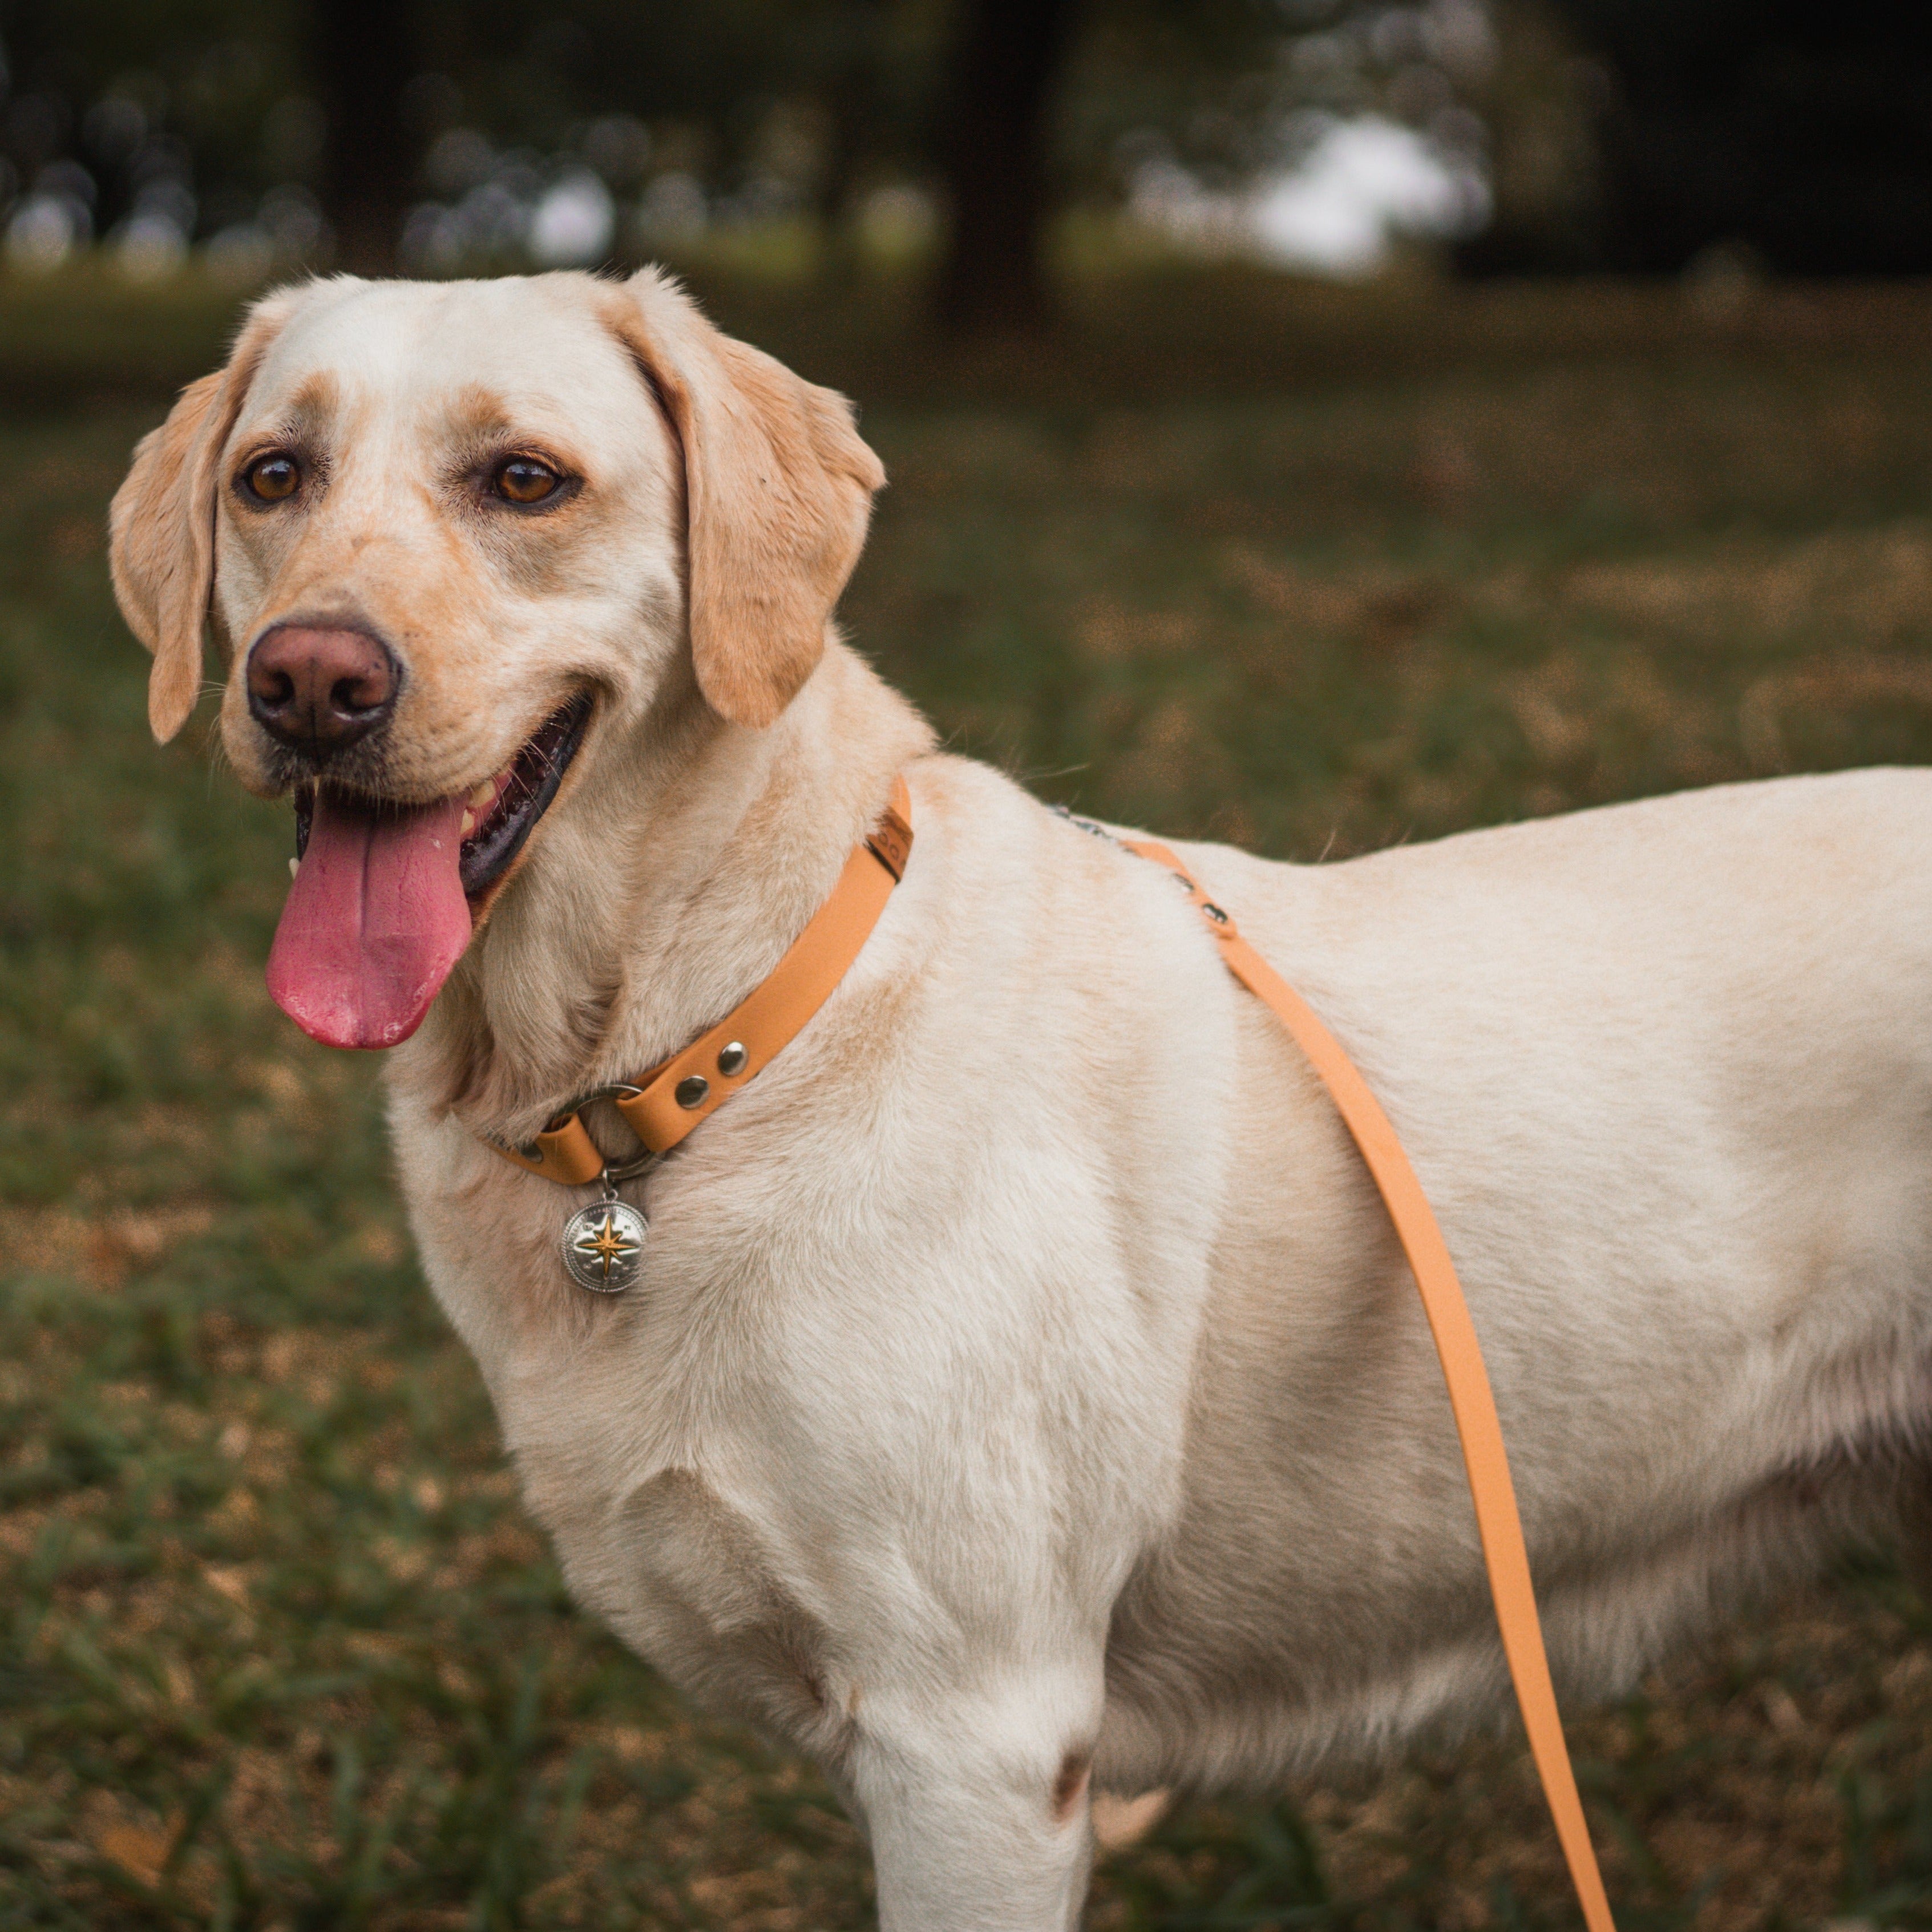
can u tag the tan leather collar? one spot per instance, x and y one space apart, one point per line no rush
663 1106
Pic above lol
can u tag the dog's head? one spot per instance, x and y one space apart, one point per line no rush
453 536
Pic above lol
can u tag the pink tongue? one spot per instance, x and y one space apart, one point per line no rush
374 921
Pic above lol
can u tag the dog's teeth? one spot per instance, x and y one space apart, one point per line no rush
295 866
484 793
468 824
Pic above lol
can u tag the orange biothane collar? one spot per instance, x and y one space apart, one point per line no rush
666 1103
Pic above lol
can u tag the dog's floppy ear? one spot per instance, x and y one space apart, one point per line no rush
162 522
778 492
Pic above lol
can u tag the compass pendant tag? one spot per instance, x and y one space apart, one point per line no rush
604 1246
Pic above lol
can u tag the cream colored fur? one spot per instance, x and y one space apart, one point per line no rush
1023 1376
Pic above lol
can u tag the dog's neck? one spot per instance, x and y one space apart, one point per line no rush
684 858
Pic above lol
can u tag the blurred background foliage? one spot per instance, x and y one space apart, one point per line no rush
980 140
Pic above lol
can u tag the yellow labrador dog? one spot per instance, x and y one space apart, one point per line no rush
1024 1394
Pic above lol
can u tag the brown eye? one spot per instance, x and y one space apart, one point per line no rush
524 480
271 479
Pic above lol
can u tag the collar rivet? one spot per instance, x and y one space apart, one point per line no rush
690 1090
731 1057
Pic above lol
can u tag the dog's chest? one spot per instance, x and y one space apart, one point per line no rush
633 1424
702 1583
805 1435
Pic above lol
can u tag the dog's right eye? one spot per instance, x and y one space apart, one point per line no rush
272 478
522 479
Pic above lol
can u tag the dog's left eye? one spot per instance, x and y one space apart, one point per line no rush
524 480
272 478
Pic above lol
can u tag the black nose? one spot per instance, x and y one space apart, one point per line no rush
319 691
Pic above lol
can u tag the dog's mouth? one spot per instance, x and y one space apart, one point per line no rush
517 797
386 896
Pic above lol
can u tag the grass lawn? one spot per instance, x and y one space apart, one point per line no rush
1307 571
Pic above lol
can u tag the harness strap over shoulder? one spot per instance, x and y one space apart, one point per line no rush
1476 1423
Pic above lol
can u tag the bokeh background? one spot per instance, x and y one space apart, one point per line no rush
1312 425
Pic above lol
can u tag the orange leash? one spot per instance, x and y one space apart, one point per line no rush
1497 1521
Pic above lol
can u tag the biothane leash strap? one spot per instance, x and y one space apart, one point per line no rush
1470 1397
668 1103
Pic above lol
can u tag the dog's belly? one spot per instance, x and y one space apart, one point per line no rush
1678 1127
1321 1593
1209 1686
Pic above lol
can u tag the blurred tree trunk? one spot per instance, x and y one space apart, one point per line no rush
1006 62
365 59
1780 133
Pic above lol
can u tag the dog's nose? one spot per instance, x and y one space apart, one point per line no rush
319 691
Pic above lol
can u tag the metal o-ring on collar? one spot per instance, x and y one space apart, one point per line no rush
618 1089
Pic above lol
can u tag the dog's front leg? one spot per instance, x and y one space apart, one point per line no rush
977 1806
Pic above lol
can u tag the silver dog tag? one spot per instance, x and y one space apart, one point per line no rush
603 1244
